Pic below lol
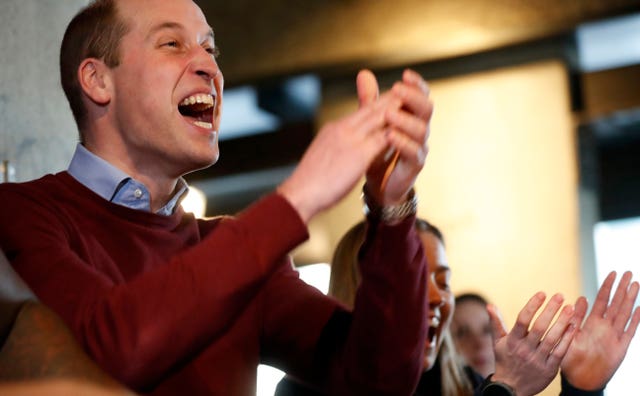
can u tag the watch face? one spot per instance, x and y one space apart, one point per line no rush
497 389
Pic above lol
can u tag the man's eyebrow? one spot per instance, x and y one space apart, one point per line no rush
175 25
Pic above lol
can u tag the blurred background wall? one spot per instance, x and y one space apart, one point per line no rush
37 132
535 138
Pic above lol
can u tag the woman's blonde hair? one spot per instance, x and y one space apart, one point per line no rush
343 285
345 276
454 379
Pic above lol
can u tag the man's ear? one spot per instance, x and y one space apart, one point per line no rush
95 80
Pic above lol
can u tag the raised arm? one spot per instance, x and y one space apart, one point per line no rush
394 281
377 348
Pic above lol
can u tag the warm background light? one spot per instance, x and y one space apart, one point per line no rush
195 202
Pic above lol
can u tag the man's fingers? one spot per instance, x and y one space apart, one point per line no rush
367 86
521 328
414 91
411 152
411 77
414 127
415 101
408 136
372 116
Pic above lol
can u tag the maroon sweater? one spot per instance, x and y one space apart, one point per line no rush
179 306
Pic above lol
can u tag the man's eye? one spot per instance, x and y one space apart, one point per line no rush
213 51
173 44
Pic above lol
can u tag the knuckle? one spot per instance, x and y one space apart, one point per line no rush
522 322
538 328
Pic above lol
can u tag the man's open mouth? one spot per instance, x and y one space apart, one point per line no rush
198 109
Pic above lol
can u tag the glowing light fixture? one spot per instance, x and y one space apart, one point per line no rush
195 202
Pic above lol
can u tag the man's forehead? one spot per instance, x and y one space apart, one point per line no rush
151 13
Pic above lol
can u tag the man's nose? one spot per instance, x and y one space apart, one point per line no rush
205 65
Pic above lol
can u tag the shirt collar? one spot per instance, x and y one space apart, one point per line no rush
115 185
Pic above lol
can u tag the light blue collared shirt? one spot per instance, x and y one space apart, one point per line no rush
116 186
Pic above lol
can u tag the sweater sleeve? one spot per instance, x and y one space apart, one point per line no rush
375 350
566 389
569 390
130 327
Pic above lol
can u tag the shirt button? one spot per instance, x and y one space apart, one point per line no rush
137 193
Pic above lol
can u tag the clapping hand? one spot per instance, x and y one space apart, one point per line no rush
601 342
393 173
528 358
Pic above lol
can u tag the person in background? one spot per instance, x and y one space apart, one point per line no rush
471 331
527 358
38 354
169 304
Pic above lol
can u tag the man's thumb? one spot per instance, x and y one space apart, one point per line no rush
367 87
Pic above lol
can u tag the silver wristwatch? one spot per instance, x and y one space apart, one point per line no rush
390 213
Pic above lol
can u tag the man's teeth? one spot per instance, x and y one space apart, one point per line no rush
199 98
205 125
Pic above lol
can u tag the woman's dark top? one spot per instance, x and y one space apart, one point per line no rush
430 384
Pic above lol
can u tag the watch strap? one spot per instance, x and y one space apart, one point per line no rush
390 214
496 388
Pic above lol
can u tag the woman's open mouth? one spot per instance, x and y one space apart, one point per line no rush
432 331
